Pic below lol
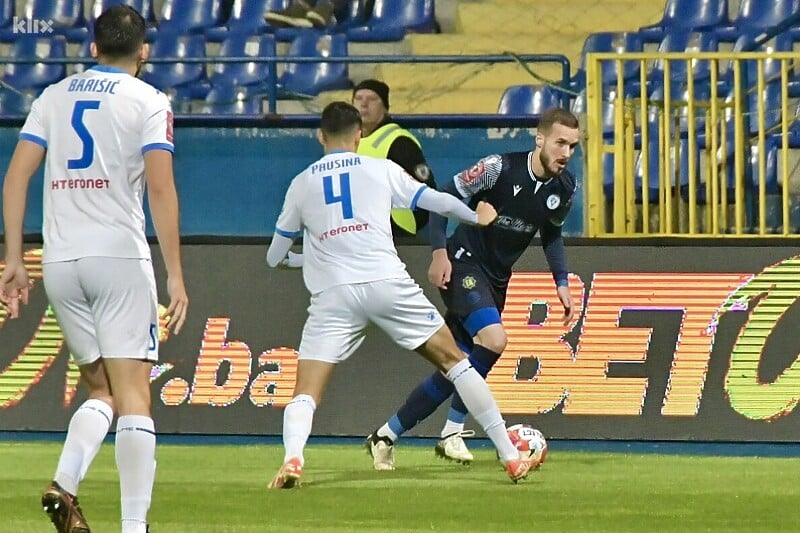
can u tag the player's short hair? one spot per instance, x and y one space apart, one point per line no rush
557 115
339 118
119 32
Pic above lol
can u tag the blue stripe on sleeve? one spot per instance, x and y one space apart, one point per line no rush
33 138
158 146
288 234
477 320
416 197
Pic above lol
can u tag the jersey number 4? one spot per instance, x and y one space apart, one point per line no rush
87 154
344 193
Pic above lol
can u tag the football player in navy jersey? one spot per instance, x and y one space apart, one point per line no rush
532 192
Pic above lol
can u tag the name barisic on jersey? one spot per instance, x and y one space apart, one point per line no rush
103 85
324 166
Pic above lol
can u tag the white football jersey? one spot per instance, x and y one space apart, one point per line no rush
341 204
96 127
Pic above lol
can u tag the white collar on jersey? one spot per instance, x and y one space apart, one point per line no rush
537 181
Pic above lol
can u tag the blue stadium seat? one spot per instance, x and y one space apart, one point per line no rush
356 16
391 19
247 16
608 42
681 41
15 103
6 14
80 34
24 76
687 15
244 74
188 16
312 78
175 75
528 100
233 100
84 53
64 14
757 15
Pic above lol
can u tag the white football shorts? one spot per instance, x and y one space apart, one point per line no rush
106 307
338 317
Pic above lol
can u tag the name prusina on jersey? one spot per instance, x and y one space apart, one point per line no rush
93 85
333 164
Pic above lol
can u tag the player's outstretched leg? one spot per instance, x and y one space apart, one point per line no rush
64 510
441 350
452 446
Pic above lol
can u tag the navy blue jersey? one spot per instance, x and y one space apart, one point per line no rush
525 205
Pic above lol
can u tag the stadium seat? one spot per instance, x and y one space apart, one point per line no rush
84 53
391 19
247 17
64 15
175 75
528 100
608 42
22 76
244 74
188 16
686 15
15 103
232 100
755 16
356 16
80 34
682 41
6 14
310 79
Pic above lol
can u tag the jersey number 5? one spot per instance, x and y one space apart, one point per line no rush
344 193
87 155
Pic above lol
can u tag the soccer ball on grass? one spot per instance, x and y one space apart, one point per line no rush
530 442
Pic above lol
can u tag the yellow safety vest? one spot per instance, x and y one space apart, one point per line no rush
377 144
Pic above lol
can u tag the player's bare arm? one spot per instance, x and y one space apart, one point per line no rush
164 209
14 282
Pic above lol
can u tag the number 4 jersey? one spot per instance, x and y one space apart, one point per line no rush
342 203
96 127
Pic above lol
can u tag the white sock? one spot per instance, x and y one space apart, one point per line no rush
297 419
135 453
483 408
87 429
451 427
386 431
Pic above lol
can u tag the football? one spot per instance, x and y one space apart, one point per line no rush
530 442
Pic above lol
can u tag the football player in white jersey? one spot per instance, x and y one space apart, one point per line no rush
105 135
340 205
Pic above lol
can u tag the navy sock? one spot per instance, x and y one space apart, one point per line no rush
424 400
482 359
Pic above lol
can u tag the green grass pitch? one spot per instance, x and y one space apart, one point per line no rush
223 489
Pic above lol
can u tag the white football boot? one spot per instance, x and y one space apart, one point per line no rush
452 448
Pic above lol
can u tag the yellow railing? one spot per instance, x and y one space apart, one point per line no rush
698 147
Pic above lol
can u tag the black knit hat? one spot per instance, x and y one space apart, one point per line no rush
378 87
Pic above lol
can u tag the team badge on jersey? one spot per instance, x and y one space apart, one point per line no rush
553 201
468 282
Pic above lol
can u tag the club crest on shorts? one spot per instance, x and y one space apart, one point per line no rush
468 282
553 201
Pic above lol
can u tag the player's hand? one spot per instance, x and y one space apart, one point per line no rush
14 286
486 213
178 304
566 301
441 268
292 260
